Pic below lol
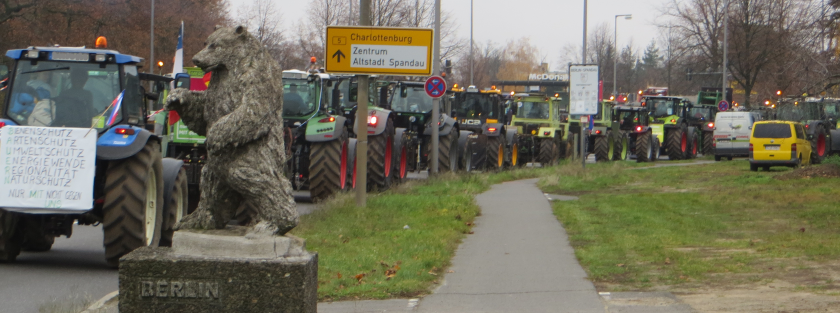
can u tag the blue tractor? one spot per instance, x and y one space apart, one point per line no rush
138 195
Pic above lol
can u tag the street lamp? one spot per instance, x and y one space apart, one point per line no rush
615 51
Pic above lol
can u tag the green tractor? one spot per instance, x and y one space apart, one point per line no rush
489 144
318 136
601 140
382 161
819 118
540 135
414 122
669 121
633 134
702 117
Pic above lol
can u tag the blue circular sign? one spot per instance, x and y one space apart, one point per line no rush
723 105
435 87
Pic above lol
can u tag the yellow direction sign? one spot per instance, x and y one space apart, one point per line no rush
379 50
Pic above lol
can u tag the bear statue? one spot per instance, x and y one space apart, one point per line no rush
240 114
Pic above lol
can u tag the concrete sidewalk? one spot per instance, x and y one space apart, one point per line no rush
518 260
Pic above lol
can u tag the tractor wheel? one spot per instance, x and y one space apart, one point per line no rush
570 146
819 145
548 152
692 150
34 237
676 144
380 158
327 168
563 149
655 148
495 153
708 143
643 146
514 158
10 238
602 148
467 162
133 208
175 207
622 146
448 152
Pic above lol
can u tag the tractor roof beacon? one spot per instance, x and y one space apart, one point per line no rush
81 85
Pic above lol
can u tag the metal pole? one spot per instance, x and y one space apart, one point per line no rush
725 47
417 13
615 58
361 120
152 44
583 59
436 101
472 66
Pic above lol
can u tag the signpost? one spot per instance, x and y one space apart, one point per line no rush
435 87
48 169
584 90
379 50
723 105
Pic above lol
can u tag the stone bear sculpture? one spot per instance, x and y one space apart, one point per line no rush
240 114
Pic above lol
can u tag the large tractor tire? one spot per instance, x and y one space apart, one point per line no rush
676 144
10 238
603 147
381 158
621 146
448 152
655 148
176 204
495 153
819 145
133 208
643 147
35 239
570 146
327 168
708 143
692 149
467 162
549 152
513 158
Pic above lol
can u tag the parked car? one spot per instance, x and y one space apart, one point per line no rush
732 133
778 143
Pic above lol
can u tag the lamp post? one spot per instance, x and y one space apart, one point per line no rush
615 52
472 66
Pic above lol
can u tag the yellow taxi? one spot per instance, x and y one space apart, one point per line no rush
778 143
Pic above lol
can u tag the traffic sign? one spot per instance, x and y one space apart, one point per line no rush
723 105
379 50
583 82
435 87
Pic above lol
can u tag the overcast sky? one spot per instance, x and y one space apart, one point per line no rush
550 24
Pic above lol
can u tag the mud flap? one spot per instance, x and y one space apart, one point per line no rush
476 147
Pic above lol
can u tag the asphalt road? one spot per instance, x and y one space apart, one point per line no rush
75 270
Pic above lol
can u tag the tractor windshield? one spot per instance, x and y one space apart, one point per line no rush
300 97
662 107
412 99
67 94
700 114
475 106
535 110
832 110
629 118
799 111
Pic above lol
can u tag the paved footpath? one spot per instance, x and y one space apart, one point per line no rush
518 260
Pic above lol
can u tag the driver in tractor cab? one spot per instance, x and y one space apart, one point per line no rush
416 104
75 107
292 101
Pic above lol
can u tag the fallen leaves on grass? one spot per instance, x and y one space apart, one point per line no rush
620 265
360 276
667 260
339 275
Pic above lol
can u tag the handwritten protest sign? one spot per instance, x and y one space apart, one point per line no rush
47 168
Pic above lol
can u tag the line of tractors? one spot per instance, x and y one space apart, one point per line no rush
480 130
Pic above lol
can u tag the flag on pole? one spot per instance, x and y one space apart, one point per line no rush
116 105
178 64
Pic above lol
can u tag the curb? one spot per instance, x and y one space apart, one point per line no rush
103 304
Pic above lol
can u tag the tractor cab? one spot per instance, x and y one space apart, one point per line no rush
628 118
474 108
73 87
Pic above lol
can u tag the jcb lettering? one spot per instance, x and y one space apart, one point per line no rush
472 122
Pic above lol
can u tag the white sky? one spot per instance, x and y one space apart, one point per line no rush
550 24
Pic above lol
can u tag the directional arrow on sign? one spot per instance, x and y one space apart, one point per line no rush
338 55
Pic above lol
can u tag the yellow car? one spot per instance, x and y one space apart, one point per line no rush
778 143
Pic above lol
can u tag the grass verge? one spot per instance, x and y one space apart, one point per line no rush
399 245
704 224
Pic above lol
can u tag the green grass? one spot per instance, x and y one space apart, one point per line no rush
366 242
636 229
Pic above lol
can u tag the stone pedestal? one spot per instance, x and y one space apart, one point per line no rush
220 271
